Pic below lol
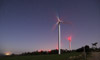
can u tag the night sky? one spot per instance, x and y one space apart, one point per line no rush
26 25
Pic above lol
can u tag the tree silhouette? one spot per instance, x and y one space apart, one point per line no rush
87 49
94 45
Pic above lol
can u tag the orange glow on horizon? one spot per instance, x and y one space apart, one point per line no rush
8 53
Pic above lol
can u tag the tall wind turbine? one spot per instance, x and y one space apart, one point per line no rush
59 35
59 21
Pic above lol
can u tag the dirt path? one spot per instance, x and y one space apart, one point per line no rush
95 56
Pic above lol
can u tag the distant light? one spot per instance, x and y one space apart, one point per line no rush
8 53
49 50
56 48
40 50
69 38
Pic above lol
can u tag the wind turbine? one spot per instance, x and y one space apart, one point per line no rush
69 39
59 21
59 35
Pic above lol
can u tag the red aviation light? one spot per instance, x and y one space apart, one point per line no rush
69 38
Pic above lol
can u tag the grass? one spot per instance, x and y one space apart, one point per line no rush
42 57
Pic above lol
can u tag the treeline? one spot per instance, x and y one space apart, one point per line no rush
55 51
87 49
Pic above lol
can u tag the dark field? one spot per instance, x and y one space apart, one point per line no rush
66 56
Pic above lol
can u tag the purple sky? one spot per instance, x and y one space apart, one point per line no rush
26 25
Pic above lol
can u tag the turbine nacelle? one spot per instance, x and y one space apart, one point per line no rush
59 21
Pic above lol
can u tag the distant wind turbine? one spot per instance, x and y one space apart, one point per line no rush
59 21
69 39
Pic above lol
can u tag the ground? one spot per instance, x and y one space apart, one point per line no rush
66 56
94 56
43 57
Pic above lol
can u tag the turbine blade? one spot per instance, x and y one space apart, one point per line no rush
54 26
64 22
58 18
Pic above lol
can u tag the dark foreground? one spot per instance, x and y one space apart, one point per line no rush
66 56
94 56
